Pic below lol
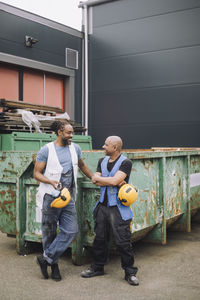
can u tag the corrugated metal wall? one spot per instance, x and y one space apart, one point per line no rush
50 49
145 73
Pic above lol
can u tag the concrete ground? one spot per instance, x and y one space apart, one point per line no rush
170 272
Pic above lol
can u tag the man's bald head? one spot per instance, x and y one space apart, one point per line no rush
115 141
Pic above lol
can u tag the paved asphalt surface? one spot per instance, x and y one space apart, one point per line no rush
170 272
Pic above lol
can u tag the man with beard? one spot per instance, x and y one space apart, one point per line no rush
56 168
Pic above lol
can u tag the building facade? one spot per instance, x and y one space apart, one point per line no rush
144 72
134 71
40 61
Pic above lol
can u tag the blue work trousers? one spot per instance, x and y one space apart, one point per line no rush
66 218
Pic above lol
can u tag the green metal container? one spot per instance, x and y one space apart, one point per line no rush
34 141
168 184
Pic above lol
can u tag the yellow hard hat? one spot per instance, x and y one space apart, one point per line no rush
62 200
127 194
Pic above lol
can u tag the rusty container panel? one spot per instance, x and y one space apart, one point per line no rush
33 215
145 177
176 189
8 207
194 182
12 166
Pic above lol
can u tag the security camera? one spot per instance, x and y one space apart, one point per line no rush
29 41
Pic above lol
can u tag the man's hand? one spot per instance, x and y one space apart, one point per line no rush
56 184
117 180
95 177
121 183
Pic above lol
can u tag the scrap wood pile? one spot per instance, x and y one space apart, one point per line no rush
26 117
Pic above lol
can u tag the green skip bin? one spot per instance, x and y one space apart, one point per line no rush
167 180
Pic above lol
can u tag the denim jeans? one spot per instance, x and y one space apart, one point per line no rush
55 244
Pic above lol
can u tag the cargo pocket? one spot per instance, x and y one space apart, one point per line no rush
124 232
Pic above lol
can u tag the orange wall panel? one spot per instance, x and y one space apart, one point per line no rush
54 91
9 83
33 87
37 88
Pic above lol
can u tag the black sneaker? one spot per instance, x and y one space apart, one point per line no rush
133 280
55 275
91 273
43 266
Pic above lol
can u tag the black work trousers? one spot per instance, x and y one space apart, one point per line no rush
107 219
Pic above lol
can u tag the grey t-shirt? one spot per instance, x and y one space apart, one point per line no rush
63 154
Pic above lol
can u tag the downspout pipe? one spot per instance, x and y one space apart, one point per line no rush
85 5
86 87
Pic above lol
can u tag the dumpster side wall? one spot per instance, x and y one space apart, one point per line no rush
168 185
194 183
12 166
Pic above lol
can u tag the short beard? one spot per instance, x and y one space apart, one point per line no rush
65 142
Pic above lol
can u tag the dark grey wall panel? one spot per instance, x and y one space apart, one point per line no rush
145 113
149 34
50 48
179 103
164 135
126 10
170 67
145 73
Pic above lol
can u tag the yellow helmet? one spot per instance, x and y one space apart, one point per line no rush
62 200
127 194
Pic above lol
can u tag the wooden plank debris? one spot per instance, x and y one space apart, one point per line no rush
9 104
11 120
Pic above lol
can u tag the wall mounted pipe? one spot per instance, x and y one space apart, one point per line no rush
85 6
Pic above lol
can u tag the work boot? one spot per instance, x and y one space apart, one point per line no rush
43 266
133 280
90 272
55 275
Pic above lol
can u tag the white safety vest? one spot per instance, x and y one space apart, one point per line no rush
53 171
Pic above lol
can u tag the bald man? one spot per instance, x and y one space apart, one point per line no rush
109 214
